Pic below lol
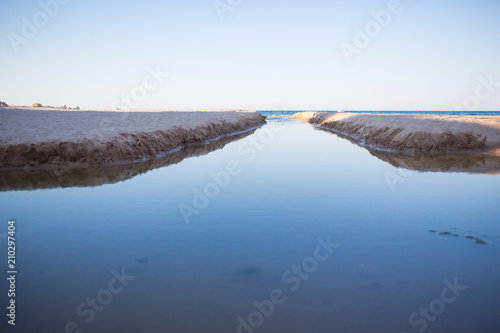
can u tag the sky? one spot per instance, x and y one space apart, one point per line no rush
252 54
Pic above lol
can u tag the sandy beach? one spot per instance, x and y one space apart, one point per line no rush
414 134
42 138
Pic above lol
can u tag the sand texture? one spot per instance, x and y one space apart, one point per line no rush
54 139
413 134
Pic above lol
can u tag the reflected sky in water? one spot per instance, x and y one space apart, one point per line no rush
300 184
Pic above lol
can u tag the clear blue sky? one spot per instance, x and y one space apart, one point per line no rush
264 55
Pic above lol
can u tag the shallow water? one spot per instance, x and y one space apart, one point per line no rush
284 187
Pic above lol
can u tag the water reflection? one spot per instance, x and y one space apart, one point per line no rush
12 180
465 162
471 163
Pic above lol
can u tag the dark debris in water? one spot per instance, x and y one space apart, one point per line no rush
445 233
249 270
480 241
142 260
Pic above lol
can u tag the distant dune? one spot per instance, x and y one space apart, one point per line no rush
41 138
414 134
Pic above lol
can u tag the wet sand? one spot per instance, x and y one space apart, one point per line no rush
429 135
47 139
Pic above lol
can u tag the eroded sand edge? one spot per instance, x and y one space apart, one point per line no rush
47 139
414 134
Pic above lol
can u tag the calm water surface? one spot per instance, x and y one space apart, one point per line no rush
256 235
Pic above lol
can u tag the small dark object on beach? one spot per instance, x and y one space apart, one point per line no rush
480 241
445 233
470 237
432 230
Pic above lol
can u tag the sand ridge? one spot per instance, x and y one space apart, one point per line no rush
413 134
33 138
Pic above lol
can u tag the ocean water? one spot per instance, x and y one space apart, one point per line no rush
287 229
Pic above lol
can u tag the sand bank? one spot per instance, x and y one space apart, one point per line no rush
474 163
97 175
414 134
34 138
